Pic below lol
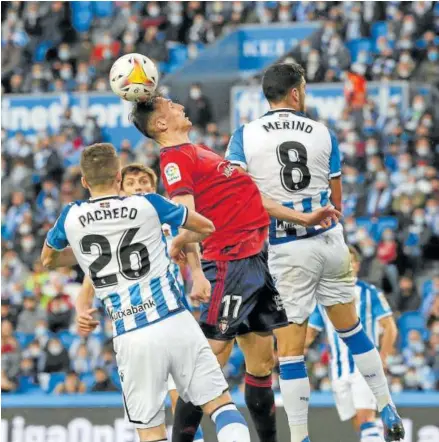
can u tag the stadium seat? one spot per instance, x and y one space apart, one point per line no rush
378 29
26 384
88 379
178 54
66 338
411 321
24 339
41 51
102 9
114 376
82 15
427 288
357 45
53 380
376 226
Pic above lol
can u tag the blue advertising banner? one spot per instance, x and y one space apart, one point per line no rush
260 46
248 102
43 113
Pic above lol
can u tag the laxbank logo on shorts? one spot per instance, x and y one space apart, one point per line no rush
147 305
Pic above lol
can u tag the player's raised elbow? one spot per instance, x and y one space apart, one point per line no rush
48 258
208 228
47 261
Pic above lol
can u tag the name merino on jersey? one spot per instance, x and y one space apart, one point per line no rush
119 242
291 158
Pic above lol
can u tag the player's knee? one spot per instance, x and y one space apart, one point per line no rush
291 340
260 365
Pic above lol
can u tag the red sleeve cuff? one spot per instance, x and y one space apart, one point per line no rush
181 191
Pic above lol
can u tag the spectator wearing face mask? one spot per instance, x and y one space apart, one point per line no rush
301 52
198 108
314 69
60 310
153 46
379 198
105 52
30 315
415 238
55 357
10 350
15 214
405 66
408 299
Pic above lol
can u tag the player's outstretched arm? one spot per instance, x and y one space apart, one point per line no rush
388 337
201 288
51 258
323 216
336 192
84 308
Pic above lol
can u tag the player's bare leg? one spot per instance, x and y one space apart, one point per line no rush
155 434
344 317
259 397
364 425
293 380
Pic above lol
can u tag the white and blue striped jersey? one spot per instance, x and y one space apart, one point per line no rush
119 242
170 233
291 158
371 307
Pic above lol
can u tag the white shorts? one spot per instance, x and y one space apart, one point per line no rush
352 394
316 269
147 356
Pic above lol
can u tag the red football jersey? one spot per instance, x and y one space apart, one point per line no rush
230 199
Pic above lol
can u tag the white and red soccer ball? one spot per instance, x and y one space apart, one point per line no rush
134 77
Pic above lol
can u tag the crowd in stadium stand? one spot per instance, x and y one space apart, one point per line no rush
390 172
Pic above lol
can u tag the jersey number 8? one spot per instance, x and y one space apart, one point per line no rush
293 158
127 255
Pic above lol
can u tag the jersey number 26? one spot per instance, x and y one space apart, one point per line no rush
125 254
293 158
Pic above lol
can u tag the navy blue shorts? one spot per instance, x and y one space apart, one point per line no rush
244 299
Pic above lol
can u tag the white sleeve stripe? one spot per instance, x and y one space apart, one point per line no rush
334 175
384 315
240 164
316 327
185 216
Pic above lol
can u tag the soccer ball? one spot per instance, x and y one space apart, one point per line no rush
134 77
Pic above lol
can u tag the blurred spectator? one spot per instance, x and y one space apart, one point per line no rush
71 385
198 108
429 69
151 45
102 381
8 385
30 315
55 357
408 296
60 309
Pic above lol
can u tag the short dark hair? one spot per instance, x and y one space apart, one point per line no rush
280 78
141 114
136 168
354 251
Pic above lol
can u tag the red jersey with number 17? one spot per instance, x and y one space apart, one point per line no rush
229 198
